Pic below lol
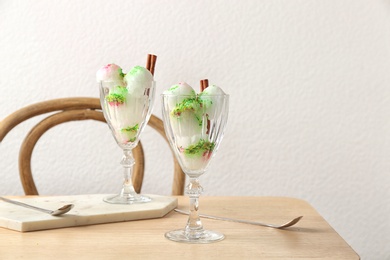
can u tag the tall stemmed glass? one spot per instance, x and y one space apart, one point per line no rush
127 110
195 127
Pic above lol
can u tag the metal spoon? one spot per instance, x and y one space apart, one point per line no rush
288 224
57 212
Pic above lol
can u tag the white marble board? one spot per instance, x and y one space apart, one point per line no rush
88 210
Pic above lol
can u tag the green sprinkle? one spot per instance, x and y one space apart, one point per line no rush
135 70
188 104
131 132
121 73
133 129
201 146
117 96
173 87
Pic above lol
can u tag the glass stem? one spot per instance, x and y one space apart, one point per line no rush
194 227
127 163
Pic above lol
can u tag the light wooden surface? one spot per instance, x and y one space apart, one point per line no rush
311 238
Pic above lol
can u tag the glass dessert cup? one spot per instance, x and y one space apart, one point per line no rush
195 128
127 113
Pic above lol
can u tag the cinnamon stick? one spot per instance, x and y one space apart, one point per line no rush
204 83
151 63
148 61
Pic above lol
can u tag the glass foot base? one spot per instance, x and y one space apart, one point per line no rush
121 199
204 237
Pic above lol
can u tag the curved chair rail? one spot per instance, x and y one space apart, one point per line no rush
73 109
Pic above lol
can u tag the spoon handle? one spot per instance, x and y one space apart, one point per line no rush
25 205
288 224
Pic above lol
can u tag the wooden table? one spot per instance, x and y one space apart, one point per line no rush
311 238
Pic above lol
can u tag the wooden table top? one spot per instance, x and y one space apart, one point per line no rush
311 238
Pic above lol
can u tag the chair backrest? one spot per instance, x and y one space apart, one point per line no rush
73 109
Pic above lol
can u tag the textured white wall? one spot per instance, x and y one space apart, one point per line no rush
309 84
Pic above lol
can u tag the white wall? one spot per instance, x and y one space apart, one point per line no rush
309 84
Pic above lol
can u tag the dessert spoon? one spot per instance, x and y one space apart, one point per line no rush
56 212
285 225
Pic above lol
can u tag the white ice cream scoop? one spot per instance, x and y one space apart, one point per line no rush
211 96
179 92
138 79
110 72
181 88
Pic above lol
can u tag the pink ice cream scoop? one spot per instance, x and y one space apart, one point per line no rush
110 72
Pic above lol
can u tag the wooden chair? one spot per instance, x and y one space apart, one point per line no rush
72 109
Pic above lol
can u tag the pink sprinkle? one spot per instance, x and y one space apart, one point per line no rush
206 155
114 103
